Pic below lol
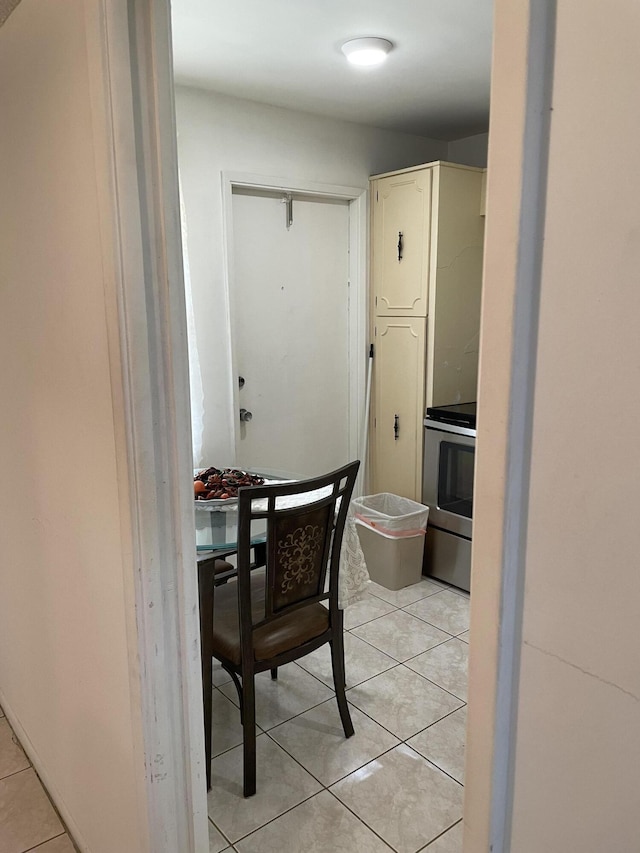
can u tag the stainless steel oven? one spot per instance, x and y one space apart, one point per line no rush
447 489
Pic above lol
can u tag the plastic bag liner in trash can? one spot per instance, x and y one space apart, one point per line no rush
391 530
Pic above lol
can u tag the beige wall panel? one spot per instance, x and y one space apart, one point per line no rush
576 778
504 191
64 661
399 390
577 773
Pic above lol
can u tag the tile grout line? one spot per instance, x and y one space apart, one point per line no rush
357 816
433 625
435 683
425 849
450 636
15 772
53 838
332 698
271 820
65 830
307 799
440 643
436 766
328 787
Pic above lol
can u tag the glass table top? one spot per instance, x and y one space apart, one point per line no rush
217 523
218 531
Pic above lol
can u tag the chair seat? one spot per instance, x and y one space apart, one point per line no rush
282 635
222 566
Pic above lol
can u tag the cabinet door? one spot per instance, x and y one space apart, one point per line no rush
400 244
399 371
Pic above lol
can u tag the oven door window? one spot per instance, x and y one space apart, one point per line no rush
455 479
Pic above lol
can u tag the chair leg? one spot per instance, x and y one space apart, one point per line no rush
274 673
249 735
337 664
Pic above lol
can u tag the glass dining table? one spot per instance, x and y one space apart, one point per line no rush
217 528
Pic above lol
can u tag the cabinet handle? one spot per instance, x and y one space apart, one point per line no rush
399 246
396 427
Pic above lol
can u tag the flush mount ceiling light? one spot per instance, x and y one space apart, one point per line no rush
366 51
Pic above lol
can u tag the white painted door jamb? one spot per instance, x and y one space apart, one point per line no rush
358 323
151 342
533 164
134 124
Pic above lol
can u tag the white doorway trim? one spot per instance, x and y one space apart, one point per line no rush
523 57
133 118
358 302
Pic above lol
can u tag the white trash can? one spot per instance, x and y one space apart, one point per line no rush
391 530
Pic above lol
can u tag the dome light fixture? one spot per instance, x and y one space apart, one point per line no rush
366 51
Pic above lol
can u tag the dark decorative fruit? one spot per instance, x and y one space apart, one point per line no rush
222 483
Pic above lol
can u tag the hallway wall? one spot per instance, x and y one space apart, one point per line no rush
577 775
568 553
471 151
64 665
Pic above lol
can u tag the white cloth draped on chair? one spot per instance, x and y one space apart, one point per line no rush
354 577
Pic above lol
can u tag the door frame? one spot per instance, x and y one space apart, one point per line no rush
358 199
135 119
134 125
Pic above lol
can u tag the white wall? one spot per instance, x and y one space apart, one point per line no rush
470 151
64 668
217 133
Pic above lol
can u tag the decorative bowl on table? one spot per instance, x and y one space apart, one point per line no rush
217 486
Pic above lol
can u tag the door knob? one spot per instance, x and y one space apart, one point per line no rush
245 415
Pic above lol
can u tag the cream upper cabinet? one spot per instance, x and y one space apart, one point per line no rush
400 244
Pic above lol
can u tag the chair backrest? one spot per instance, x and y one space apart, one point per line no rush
305 522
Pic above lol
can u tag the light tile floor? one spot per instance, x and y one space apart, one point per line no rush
397 783
28 821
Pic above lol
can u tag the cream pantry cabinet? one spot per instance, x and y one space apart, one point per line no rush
400 244
427 234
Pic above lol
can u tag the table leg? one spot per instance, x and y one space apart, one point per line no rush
260 555
205 592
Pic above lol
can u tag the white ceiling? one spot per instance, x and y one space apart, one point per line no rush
287 53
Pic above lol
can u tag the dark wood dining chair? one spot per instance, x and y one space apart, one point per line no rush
269 618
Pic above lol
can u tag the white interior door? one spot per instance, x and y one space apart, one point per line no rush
290 300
